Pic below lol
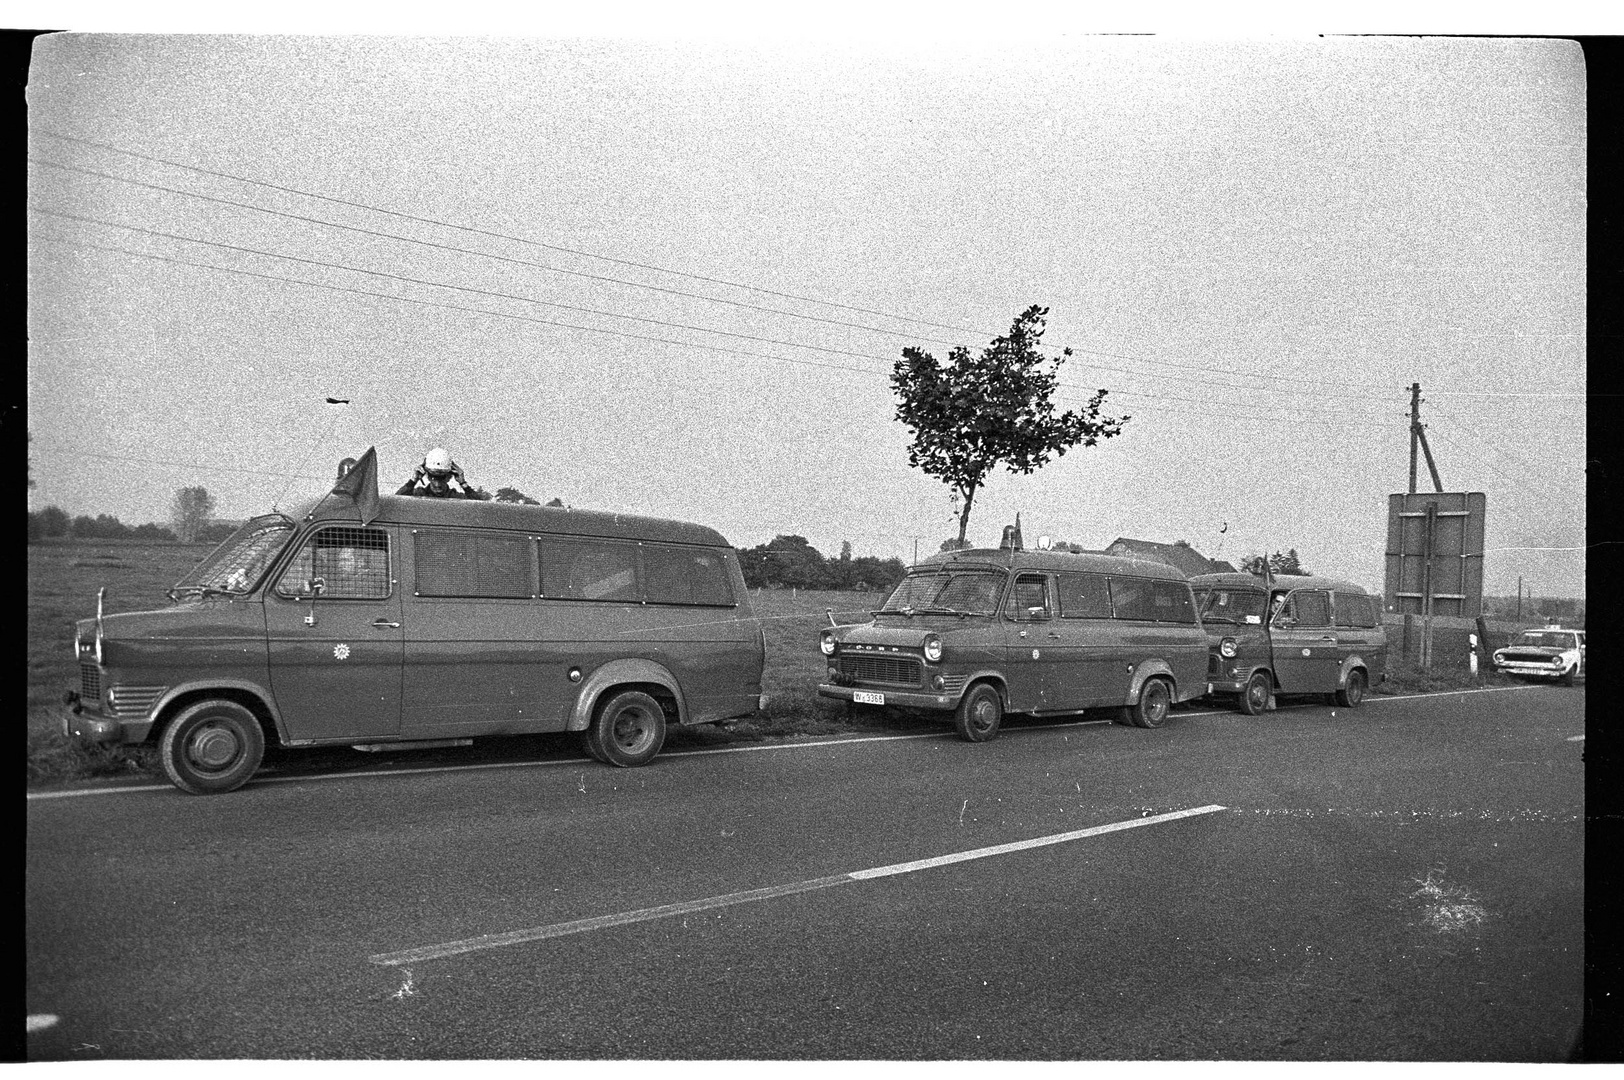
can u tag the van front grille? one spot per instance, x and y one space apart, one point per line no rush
89 683
135 700
886 670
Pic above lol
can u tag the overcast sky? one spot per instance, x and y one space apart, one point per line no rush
670 278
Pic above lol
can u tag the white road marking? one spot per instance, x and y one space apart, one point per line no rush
1576 738
602 922
811 743
41 1021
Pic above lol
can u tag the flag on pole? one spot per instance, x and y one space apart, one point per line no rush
361 485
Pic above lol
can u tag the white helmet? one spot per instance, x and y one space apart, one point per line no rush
437 461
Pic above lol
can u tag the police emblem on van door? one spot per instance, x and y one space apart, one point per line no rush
341 651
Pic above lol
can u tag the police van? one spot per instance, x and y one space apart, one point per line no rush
975 634
385 622
1290 635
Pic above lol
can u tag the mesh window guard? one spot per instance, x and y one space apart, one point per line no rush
353 563
473 564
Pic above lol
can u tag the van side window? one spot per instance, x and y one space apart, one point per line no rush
1354 609
1083 596
588 569
674 574
1171 599
352 563
1307 607
1030 591
1130 598
473 564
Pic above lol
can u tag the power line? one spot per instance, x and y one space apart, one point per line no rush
572 307
1348 389
1154 398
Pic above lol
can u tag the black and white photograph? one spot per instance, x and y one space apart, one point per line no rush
683 545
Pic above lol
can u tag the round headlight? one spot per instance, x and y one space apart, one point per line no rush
1226 648
826 642
933 648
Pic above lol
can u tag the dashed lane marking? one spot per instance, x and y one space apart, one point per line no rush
665 911
811 744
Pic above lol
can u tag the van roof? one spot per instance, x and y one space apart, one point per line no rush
488 514
1285 581
1056 560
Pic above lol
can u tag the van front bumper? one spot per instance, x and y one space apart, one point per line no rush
79 722
907 698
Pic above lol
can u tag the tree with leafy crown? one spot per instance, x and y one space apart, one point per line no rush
977 412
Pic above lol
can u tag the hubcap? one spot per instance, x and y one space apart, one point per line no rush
1258 694
215 747
983 715
631 728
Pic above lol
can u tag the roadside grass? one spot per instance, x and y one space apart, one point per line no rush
1406 678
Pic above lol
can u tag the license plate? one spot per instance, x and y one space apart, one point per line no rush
864 697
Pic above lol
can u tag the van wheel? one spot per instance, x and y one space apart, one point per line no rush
589 744
1255 698
212 747
1567 678
629 729
979 714
1154 701
1351 695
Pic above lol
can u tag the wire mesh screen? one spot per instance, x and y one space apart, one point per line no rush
685 575
589 570
353 564
473 564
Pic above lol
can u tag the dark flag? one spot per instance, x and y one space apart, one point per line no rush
361 485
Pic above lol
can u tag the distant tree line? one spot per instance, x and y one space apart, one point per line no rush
53 523
790 562
1278 563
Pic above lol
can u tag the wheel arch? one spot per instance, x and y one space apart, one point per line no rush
1349 666
651 678
1147 670
247 694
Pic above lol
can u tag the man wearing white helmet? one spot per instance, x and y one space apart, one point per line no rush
437 477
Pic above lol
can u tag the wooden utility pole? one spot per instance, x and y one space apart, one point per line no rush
1418 434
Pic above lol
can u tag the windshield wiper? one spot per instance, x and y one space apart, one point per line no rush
202 591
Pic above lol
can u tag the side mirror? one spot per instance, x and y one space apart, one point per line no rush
1037 614
1254 620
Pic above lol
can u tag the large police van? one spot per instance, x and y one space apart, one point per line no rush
386 621
979 633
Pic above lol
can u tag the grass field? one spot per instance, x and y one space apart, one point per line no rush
63 578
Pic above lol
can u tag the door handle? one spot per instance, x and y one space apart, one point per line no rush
1328 637
381 623
1053 634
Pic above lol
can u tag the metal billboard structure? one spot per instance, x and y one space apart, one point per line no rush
1435 553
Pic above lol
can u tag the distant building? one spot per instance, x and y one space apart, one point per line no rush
1180 556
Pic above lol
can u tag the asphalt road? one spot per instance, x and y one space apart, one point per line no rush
1403 881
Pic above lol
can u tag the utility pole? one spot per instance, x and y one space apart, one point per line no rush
1418 434
1519 598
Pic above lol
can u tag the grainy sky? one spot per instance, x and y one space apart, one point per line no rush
669 277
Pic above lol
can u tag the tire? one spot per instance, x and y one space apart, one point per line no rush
1255 697
1351 695
979 713
589 743
212 747
1155 699
628 730
1567 677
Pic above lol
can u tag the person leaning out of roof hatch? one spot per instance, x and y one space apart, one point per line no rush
437 478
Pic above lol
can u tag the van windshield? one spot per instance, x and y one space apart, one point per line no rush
1230 605
236 566
952 592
